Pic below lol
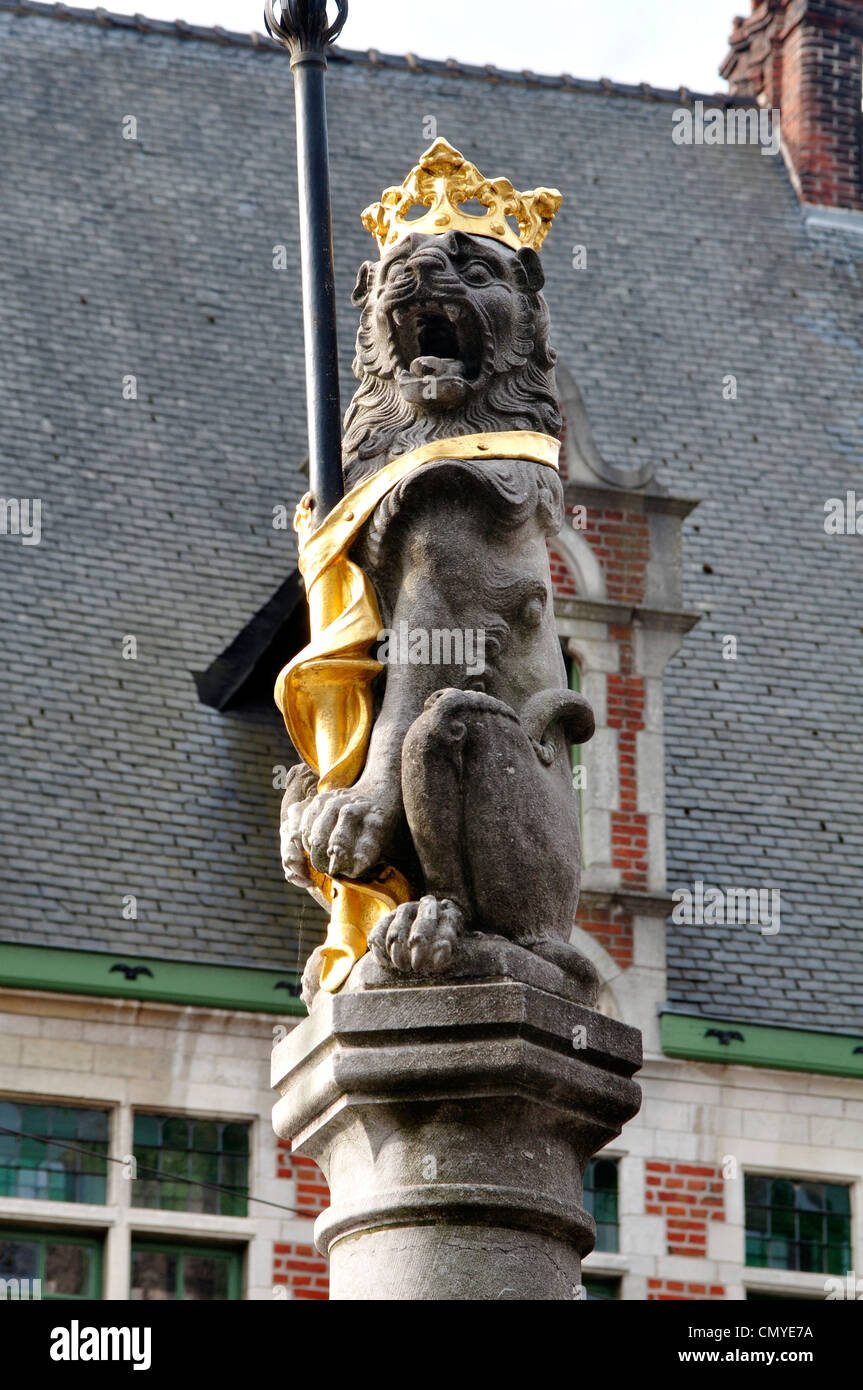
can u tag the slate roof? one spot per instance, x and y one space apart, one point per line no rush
154 258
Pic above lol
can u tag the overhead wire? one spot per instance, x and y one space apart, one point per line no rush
156 1172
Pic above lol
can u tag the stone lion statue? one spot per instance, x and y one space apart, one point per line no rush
467 785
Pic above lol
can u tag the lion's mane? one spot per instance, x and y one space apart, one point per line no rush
518 392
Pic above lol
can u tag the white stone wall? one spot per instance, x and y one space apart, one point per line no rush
794 1124
124 1054
215 1063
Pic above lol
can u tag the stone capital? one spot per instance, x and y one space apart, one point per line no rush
454 1122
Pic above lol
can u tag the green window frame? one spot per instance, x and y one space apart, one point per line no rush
797 1224
46 1261
184 1160
601 1201
600 1287
177 1270
53 1153
767 1296
573 680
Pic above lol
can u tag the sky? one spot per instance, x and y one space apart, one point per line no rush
668 43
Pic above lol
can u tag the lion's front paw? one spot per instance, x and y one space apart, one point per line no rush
300 789
346 833
419 937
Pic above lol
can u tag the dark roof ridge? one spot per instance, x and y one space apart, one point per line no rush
410 62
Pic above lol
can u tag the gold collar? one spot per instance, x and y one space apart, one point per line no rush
321 547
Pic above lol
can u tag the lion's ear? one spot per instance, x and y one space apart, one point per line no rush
532 267
365 280
462 243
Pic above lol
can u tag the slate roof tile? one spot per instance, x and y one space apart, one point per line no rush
153 258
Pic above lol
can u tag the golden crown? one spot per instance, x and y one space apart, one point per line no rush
442 181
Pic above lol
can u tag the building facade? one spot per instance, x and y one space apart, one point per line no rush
704 281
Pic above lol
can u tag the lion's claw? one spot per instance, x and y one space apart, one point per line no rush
418 937
345 833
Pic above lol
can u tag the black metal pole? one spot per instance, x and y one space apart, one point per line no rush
302 27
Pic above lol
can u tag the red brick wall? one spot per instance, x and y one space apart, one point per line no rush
300 1266
620 541
312 1196
562 579
302 1269
688 1195
612 927
807 61
820 105
674 1289
626 714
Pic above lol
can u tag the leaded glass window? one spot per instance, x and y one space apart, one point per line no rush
600 1199
797 1224
53 1153
188 1164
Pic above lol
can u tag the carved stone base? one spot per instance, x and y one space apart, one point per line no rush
454 1121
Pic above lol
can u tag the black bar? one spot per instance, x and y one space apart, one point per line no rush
302 27
319 291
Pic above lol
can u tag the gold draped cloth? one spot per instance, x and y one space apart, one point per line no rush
325 692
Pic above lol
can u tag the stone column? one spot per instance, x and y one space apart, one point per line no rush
454 1121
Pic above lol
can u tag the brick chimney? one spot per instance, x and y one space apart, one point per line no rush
805 57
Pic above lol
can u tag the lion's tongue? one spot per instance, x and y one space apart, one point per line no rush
436 366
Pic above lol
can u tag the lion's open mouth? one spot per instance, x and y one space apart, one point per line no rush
438 342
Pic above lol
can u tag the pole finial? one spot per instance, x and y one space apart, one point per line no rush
302 26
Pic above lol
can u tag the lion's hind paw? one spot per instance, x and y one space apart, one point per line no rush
418 937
